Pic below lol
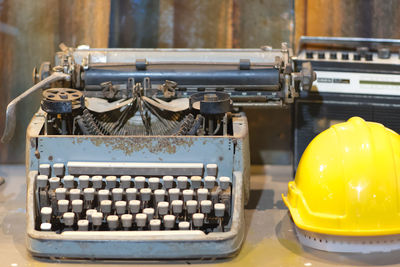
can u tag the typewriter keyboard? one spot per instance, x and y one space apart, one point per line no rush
133 203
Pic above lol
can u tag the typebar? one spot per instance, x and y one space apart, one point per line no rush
134 168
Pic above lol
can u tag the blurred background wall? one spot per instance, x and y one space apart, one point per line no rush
30 32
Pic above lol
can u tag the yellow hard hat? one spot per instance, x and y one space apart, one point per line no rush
347 182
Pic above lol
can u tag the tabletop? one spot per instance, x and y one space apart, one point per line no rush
270 238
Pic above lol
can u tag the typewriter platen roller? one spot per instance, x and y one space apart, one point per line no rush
143 153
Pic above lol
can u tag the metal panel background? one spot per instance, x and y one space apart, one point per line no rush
348 18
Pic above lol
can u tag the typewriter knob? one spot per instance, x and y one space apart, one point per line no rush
307 76
211 103
62 100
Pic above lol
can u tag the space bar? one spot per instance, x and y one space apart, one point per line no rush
134 168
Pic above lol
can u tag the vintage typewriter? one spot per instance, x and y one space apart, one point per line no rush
144 153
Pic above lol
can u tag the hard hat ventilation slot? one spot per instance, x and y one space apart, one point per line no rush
349 244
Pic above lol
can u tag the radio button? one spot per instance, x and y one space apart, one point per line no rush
356 56
309 54
384 53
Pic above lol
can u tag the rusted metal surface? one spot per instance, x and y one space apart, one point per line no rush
150 143
225 24
30 32
21 47
348 18
265 22
134 24
83 22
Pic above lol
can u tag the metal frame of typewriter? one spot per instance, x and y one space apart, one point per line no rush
232 150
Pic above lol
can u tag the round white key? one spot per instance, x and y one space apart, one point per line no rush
45 213
224 182
196 182
209 182
103 194
77 205
159 195
184 225
141 219
83 225
83 181
41 181
145 194
89 214
112 221
169 221
155 224
126 220
187 194
45 169
140 182
54 182
88 194
74 193
69 218
173 194
97 182
182 182
111 181
117 194
62 205
61 193
131 194
162 207
202 194
45 226
191 206
120 207
125 181
68 181
168 182
219 209
154 183
105 206
58 169
149 212
97 218
212 169
198 219
177 206
206 206
134 206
